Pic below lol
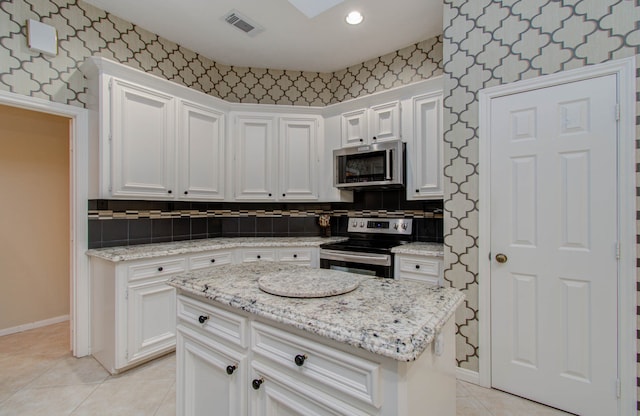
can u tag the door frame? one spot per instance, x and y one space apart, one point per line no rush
624 69
78 190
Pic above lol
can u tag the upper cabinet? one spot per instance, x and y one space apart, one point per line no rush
376 124
425 170
142 137
276 157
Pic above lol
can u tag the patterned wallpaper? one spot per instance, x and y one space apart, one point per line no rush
493 42
84 30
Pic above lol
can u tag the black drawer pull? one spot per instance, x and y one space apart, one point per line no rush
202 319
160 268
295 256
257 383
231 369
417 266
258 256
213 260
300 359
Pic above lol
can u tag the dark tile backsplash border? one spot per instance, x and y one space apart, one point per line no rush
121 223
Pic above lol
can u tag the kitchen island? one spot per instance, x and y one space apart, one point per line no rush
385 348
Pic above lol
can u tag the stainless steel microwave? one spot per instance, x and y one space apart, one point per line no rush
379 165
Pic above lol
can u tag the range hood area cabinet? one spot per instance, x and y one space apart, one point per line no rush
276 156
377 124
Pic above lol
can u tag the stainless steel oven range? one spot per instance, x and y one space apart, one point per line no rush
368 249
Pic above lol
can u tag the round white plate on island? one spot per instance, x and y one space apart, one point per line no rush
313 283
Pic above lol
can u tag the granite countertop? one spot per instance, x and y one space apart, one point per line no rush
420 249
392 318
145 251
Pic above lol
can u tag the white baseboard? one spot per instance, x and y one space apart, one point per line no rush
32 325
467 375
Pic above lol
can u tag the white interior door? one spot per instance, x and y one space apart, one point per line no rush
554 218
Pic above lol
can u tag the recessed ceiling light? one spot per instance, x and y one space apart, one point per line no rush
354 18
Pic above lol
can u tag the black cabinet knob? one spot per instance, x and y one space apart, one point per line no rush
269 194
186 192
213 260
258 256
417 266
231 369
375 138
300 359
169 191
361 140
160 268
202 319
256 383
417 190
284 194
295 256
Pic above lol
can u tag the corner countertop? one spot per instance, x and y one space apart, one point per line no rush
420 249
147 251
392 318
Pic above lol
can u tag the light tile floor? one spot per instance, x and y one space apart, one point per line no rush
38 376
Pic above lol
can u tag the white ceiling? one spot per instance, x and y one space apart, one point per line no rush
291 40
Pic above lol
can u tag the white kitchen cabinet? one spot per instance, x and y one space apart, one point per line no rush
298 158
376 124
425 157
132 310
284 371
142 136
201 152
248 255
255 161
305 256
276 164
428 269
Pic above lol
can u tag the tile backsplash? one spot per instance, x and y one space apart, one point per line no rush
122 223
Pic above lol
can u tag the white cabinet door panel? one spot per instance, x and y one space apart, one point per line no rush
354 128
298 159
384 120
151 319
254 156
201 158
142 141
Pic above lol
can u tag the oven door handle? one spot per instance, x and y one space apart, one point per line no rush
365 258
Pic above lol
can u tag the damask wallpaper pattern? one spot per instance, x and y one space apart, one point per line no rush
84 30
494 42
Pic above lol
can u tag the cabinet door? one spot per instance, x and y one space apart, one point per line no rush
151 319
384 122
425 176
204 385
354 128
142 142
298 159
254 158
201 161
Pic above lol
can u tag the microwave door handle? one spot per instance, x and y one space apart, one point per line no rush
387 165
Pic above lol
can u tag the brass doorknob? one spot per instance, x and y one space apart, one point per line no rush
501 258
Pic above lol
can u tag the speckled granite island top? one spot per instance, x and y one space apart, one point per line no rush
392 318
145 251
420 249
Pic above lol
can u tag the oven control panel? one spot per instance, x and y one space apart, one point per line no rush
398 226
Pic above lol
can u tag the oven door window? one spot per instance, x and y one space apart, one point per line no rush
358 268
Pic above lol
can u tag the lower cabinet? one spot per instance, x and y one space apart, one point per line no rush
232 363
421 268
133 315
211 378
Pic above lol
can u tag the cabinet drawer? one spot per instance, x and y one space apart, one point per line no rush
218 322
202 261
156 269
257 255
295 255
330 368
420 266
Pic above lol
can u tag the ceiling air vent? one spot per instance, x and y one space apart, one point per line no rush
243 23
